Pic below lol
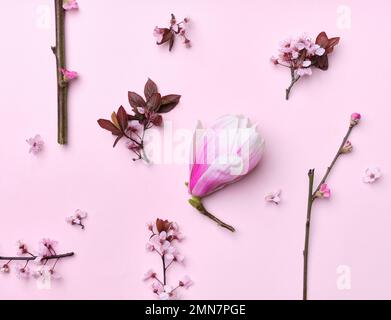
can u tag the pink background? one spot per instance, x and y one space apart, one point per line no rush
110 44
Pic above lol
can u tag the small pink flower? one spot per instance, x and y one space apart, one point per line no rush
5 268
70 4
172 254
167 294
149 247
324 191
274 60
355 119
273 197
77 218
187 43
22 248
304 72
150 274
36 144
372 174
68 75
132 146
46 247
23 272
158 34
186 20
157 287
186 282
348 147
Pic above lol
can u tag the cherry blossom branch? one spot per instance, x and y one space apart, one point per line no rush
33 257
62 86
293 81
322 191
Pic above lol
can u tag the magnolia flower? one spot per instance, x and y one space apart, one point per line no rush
70 4
372 174
324 191
273 197
36 144
68 75
221 155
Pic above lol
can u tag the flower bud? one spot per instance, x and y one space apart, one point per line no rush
355 119
323 192
348 147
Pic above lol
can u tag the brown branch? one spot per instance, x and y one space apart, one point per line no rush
33 257
62 86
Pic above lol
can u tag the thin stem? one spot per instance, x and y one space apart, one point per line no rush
57 256
307 231
334 160
62 86
196 203
293 81
164 270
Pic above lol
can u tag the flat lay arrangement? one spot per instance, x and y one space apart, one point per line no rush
203 139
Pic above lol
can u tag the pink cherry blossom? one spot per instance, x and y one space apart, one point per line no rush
274 197
149 247
158 34
70 4
36 144
150 274
22 271
167 293
324 191
77 218
5 268
68 75
372 174
304 72
22 248
46 247
186 282
186 20
157 287
172 254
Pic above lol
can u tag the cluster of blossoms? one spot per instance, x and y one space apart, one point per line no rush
77 218
167 35
46 252
302 53
36 144
162 241
70 5
146 114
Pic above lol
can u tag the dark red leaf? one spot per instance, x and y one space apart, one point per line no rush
322 62
172 40
332 43
167 35
116 140
322 39
136 101
108 125
153 103
149 89
122 117
169 102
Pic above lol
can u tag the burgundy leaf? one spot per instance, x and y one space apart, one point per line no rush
136 101
153 103
122 117
172 40
322 39
149 89
167 35
116 140
169 102
322 62
108 125
332 43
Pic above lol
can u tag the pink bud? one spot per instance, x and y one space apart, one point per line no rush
355 118
324 191
348 147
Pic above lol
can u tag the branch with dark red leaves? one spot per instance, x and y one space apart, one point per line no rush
146 114
301 54
162 240
168 35
46 253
